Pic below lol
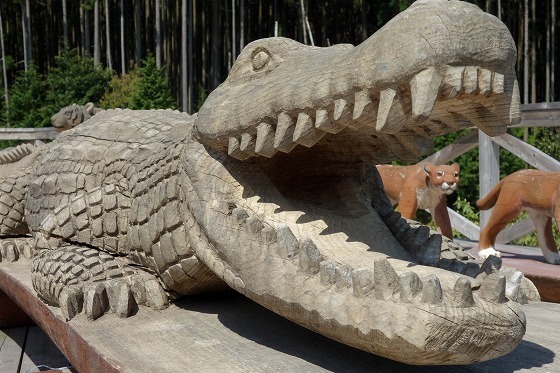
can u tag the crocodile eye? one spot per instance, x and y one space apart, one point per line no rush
260 60
440 173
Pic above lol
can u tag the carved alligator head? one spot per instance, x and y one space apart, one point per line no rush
436 67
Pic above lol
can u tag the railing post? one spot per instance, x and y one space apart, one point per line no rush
489 171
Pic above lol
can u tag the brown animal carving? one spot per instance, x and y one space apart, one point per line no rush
534 191
72 115
422 186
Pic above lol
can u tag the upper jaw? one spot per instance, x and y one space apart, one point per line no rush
436 67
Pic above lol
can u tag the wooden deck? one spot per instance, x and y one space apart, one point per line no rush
530 261
228 333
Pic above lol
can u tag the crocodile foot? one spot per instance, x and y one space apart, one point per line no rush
83 279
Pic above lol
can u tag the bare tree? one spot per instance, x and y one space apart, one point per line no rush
6 93
526 53
96 46
157 33
108 37
233 51
553 48
26 36
65 24
302 11
121 15
138 31
533 54
184 97
241 25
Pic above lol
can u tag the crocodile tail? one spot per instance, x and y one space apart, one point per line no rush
488 201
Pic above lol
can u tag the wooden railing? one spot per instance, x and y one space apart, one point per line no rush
532 115
28 134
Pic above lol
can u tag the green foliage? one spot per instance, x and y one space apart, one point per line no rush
120 91
153 88
75 80
27 97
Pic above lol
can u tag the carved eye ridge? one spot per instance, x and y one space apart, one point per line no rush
260 59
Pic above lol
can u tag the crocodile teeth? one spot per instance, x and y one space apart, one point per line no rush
365 111
424 89
484 81
493 288
120 298
343 113
327 272
498 83
309 256
247 144
283 139
470 79
362 282
305 132
410 286
264 145
239 214
71 301
386 279
431 292
391 114
95 300
325 123
462 293
253 225
235 151
343 275
286 241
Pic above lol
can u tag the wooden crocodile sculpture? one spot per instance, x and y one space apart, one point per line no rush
271 189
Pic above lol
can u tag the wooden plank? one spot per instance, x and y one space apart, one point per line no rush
463 225
489 170
48 133
11 342
452 151
516 231
41 351
527 152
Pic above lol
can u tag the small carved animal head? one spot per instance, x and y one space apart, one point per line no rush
445 177
70 116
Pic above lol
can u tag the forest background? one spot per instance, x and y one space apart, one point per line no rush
142 54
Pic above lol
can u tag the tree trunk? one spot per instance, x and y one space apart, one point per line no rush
138 31
108 36
184 90
123 58
526 53
28 26
364 20
87 27
190 76
233 39
96 46
241 25
302 11
533 54
157 33
65 24
6 92
553 50
25 39
547 46
215 48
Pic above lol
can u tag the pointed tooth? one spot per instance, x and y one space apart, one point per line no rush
120 298
493 288
498 83
305 132
283 139
431 292
155 295
264 145
471 269
492 264
342 110
235 151
470 79
362 282
247 144
365 110
484 81
327 272
287 243
343 274
253 225
310 257
391 114
239 214
325 123
462 293
268 235
453 81
515 105
386 279
424 90
429 252
410 286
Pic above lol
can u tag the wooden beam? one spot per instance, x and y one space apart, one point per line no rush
527 152
452 151
463 225
489 170
48 133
